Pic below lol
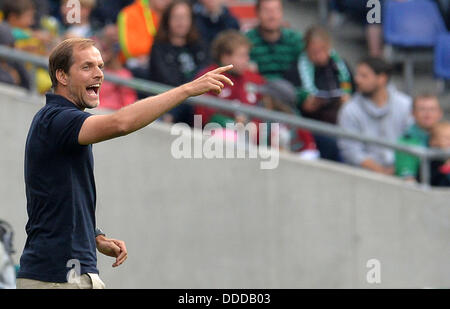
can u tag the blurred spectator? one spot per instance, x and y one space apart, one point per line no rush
177 54
106 12
19 15
440 169
11 72
45 27
323 79
280 96
377 110
83 29
138 23
324 84
274 47
213 17
232 47
113 96
427 112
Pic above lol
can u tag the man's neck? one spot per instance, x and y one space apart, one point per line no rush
380 97
270 35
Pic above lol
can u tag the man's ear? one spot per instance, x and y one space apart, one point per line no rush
61 76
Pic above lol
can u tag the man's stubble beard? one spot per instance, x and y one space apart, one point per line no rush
78 100
369 94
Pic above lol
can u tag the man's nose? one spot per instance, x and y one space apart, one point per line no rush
98 73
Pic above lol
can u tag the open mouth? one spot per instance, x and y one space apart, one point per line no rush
93 90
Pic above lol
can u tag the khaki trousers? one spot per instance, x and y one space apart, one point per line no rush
86 281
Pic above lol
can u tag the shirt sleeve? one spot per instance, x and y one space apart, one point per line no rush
65 127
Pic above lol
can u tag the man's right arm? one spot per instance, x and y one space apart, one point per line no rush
133 117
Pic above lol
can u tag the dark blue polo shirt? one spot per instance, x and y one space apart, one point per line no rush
60 190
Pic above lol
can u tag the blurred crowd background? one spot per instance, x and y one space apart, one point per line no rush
277 66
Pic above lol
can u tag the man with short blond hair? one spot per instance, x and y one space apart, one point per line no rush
59 176
427 112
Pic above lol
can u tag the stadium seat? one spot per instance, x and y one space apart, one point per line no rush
442 57
411 28
413 23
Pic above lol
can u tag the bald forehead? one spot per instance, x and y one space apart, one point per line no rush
82 51
90 53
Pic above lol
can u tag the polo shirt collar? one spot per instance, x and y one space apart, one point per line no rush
57 99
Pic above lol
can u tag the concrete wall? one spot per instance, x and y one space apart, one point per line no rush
199 223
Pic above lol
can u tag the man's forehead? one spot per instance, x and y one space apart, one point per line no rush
90 53
271 3
363 67
427 103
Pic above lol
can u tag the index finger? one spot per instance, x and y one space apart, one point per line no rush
222 69
224 79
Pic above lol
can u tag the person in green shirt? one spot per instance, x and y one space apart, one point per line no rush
427 112
274 47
